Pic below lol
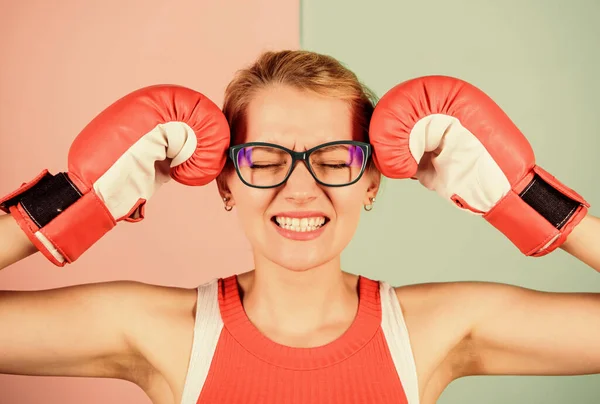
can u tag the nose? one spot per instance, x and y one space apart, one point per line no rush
300 187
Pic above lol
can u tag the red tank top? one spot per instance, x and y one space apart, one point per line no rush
249 368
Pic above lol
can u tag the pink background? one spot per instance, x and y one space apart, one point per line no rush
62 63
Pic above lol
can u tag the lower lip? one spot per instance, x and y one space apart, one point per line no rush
300 235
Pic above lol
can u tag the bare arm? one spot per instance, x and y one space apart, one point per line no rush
14 244
71 331
521 331
94 330
472 328
517 331
584 242
111 330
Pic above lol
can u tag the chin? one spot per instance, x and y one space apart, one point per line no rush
297 267
300 261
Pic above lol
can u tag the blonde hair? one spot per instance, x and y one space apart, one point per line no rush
304 70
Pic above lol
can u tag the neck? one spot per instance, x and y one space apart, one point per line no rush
299 303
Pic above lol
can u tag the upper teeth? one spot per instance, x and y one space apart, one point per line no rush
297 224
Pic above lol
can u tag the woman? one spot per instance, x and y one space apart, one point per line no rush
297 328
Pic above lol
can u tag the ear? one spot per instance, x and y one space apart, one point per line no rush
373 187
223 187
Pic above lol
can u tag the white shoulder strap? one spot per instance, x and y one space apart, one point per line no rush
396 335
207 329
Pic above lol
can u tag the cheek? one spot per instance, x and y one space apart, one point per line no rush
348 201
250 203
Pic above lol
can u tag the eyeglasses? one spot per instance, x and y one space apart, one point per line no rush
333 164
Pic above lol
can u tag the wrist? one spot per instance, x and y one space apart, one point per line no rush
582 243
14 243
576 235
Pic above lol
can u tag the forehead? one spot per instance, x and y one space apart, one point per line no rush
296 119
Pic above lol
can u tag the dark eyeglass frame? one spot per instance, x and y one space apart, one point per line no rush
303 156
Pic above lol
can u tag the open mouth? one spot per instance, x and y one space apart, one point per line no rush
300 225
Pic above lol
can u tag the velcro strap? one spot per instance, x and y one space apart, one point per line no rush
553 205
47 199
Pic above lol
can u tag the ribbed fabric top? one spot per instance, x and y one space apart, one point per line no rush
364 326
246 367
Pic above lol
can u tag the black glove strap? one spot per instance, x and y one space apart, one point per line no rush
44 201
552 204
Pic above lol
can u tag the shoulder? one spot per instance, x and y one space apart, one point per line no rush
440 317
155 303
454 307
138 297
141 311
160 329
122 299
462 299
145 313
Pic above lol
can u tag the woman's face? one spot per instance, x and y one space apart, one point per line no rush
273 218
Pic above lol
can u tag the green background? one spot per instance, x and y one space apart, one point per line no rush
539 60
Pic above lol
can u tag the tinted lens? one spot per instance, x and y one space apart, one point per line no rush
338 164
262 165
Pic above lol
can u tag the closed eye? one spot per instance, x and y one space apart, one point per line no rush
334 166
262 166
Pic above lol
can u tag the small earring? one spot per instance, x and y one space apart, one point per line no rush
369 207
227 207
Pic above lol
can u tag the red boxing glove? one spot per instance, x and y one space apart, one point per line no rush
455 140
116 164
